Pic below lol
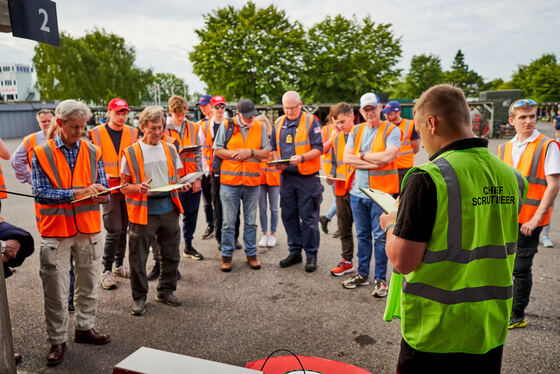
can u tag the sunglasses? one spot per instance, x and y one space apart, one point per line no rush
219 106
522 103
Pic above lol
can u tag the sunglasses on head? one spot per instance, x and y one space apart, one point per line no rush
523 103
220 106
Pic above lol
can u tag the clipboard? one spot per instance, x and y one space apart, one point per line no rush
285 161
334 179
191 177
166 188
190 149
382 199
106 192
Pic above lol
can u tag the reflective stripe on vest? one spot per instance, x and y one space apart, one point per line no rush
341 169
301 142
111 160
531 166
326 132
269 175
137 204
187 137
459 297
30 142
248 172
3 195
405 157
65 219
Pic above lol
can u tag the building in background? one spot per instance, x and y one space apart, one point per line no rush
16 83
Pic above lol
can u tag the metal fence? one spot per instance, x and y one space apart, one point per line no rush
18 120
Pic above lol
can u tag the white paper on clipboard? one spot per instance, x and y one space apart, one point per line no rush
166 188
382 199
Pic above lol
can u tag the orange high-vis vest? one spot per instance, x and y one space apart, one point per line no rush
174 142
30 142
64 220
204 124
269 174
385 179
111 159
405 157
301 142
531 166
3 195
190 137
137 204
342 170
326 132
248 172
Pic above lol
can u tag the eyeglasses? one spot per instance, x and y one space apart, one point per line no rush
220 106
522 103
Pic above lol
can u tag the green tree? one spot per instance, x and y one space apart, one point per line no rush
425 72
461 76
345 58
249 52
169 85
539 79
94 68
495 84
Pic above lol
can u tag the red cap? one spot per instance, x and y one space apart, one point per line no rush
117 105
217 100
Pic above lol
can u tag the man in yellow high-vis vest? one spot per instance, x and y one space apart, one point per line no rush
457 286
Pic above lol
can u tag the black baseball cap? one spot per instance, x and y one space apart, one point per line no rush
247 108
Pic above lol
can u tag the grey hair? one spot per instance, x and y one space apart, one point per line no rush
151 113
44 111
72 109
291 95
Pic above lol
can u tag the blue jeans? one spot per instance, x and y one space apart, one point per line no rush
332 210
190 202
366 218
273 193
231 197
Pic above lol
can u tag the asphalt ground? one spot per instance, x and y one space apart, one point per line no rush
244 315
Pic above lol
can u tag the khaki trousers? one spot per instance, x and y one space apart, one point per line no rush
55 264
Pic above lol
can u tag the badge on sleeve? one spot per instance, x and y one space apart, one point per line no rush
289 139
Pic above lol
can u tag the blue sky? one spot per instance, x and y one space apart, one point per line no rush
495 36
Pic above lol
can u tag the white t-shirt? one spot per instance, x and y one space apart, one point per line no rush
551 160
155 164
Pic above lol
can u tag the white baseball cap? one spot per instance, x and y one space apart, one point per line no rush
369 99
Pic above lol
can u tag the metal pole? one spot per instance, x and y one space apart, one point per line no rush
7 361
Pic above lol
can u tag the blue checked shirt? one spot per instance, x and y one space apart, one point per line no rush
42 186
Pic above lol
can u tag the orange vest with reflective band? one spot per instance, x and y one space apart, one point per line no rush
269 175
301 142
405 157
342 170
326 132
30 142
207 151
385 179
248 172
137 204
531 166
3 195
65 220
190 137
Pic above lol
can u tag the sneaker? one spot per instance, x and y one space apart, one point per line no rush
336 235
356 280
344 267
515 322
324 221
263 242
208 233
154 273
545 240
138 307
271 242
169 300
121 271
379 288
192 253
108 282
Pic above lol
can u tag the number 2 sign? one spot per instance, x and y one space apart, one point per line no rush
34 19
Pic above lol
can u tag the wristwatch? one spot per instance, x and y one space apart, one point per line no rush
252 153
302 158
362 154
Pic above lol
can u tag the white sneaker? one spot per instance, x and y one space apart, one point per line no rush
108 281
271 241
263 242
122 271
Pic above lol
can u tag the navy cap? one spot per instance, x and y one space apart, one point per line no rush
205 99
392 106
247 108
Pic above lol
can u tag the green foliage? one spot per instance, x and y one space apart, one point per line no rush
539 80
495 84
94 68
461 76
346 58
249 52
169 85
425 72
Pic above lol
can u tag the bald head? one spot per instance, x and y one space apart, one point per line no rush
292 105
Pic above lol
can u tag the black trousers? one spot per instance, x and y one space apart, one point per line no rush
207 197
